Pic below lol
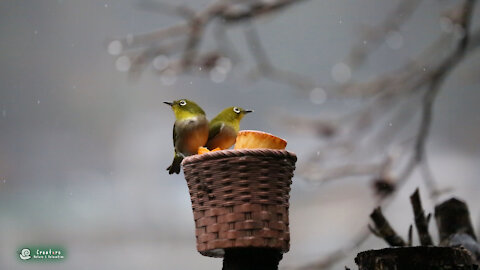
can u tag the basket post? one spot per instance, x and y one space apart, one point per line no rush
240 202
251 258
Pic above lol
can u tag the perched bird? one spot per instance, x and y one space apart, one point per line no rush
224 127
190 130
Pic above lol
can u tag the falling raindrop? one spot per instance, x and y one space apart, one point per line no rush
394 40
341 72
35 32
224 65
390 124
122 63
115 47
4 113
106 5
318 96
217 75
364 42
160 62
168 77
38 101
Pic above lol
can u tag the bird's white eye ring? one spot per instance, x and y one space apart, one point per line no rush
235 109
182 103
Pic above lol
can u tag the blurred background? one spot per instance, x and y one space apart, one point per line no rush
84 144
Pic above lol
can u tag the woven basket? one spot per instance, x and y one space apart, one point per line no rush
240 198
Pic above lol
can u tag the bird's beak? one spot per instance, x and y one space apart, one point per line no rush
168 103
248 111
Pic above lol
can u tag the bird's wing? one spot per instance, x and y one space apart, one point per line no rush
175 134
215 129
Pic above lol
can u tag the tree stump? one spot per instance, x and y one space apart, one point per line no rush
416 258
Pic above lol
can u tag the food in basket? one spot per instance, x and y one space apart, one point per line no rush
251 139
203 150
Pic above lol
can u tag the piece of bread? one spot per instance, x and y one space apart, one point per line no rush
203 150
250 139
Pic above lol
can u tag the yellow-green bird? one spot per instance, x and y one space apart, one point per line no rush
224 127
190 131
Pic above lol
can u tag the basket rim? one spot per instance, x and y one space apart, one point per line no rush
239 153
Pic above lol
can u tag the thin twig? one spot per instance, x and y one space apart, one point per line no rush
410 233
167 8
384 230
266 69
421 222
372 38
233 14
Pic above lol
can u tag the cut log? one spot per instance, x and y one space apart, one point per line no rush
416 258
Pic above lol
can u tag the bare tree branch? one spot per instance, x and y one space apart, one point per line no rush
266 69
384 230
410 232
420 220
328 261
408 79
166 8
191 32
372 38
344 171
253 9
437 77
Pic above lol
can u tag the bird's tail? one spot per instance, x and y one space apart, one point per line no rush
175 167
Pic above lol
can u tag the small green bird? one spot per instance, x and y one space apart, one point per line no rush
224 127
190 131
